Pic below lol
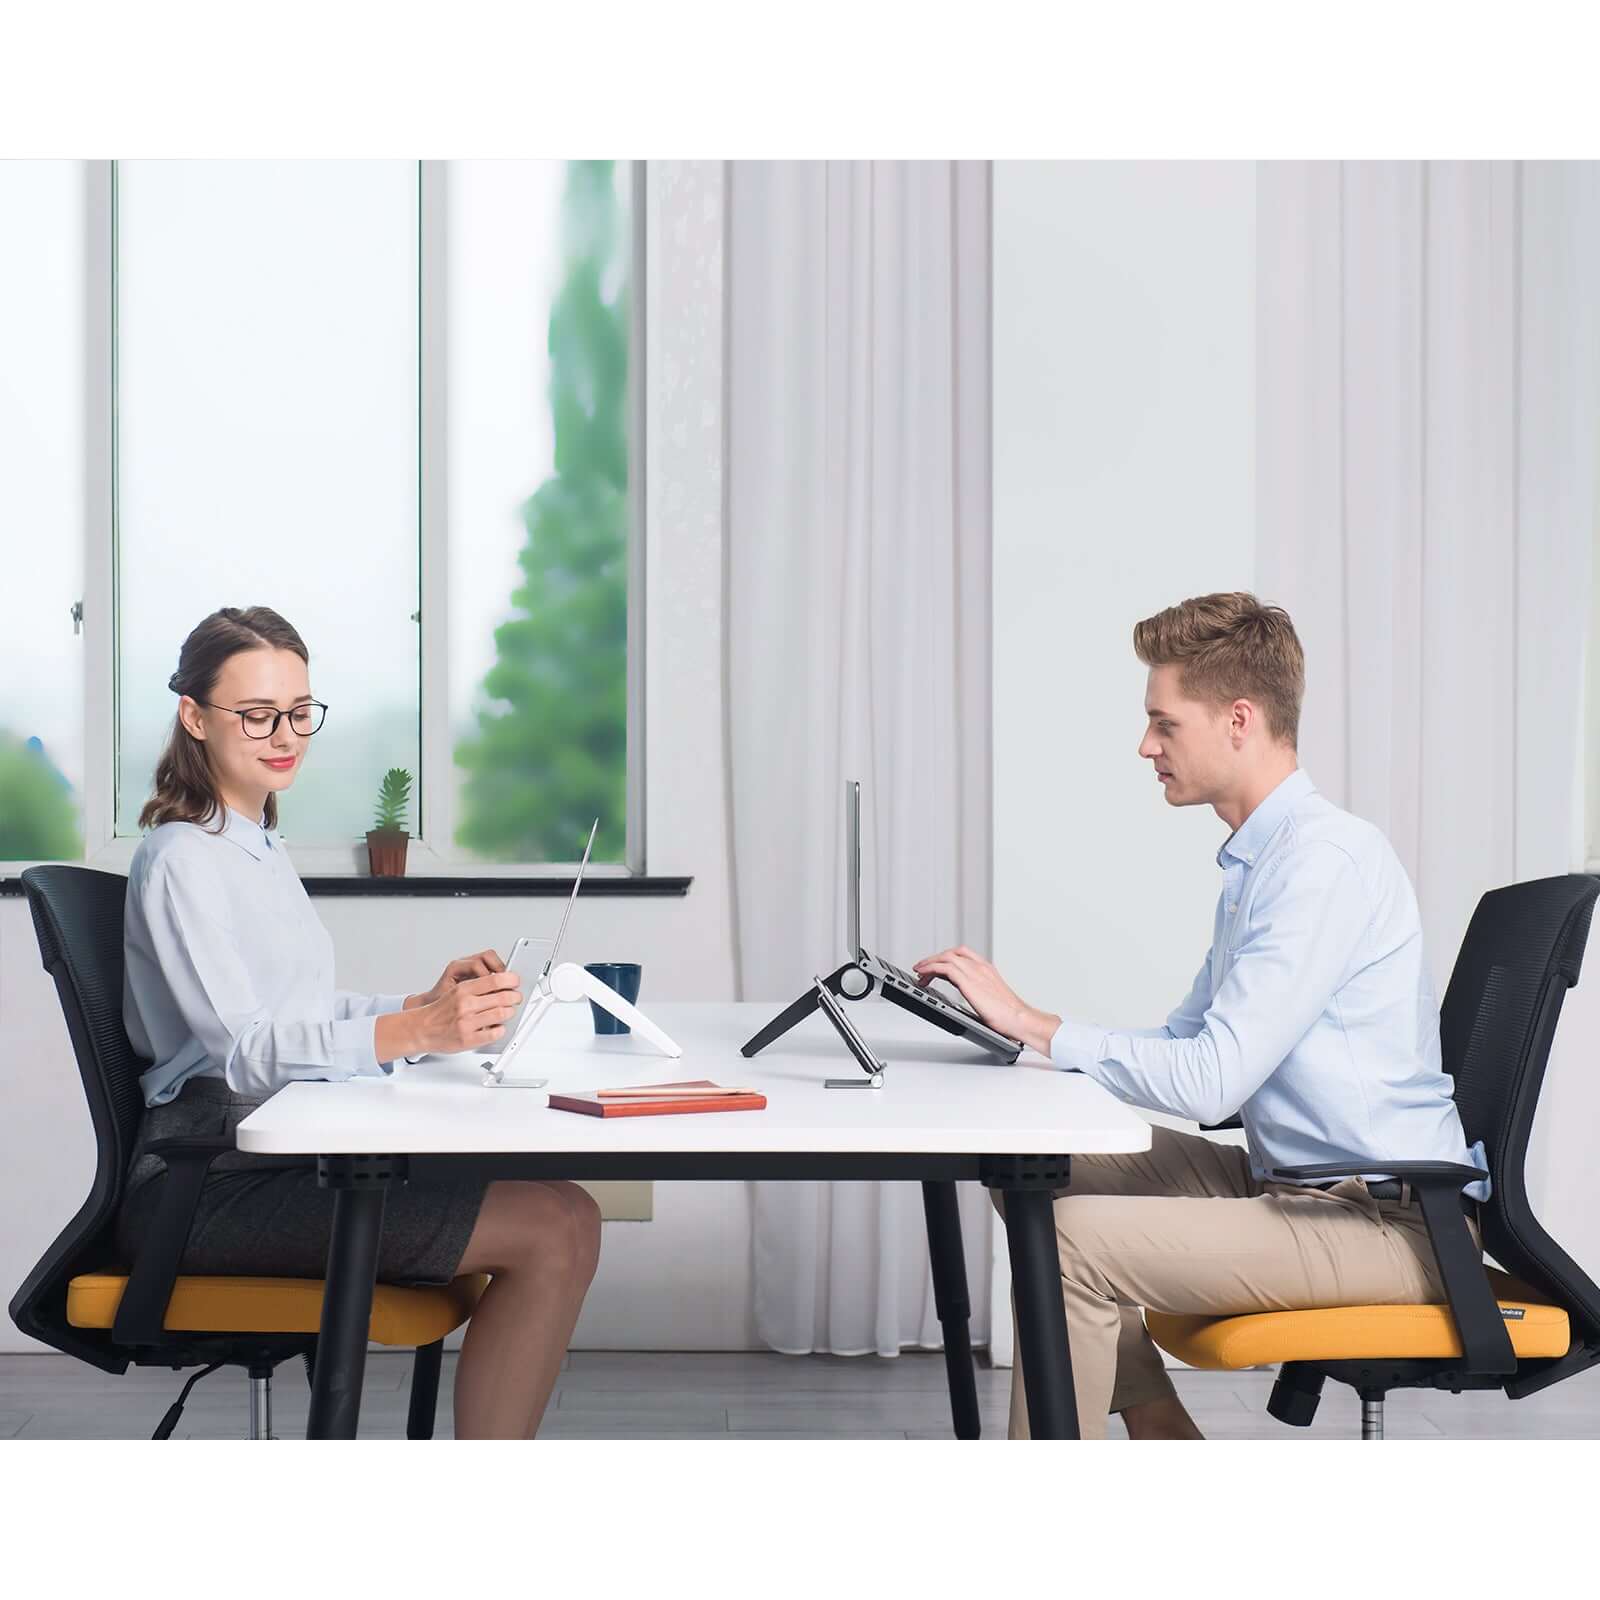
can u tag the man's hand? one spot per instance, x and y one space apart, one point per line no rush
990 996
459 971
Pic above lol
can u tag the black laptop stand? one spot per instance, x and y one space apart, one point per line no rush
807 1003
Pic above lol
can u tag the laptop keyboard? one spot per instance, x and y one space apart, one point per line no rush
911 981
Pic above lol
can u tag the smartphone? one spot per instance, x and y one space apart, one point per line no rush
527 960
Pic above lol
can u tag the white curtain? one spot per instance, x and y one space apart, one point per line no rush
1428 404
857 647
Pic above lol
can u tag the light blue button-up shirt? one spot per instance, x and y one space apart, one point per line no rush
228 971
1313 1015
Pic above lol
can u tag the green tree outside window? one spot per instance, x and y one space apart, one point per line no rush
554 755
38 816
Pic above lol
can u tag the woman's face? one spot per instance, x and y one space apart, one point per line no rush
248 769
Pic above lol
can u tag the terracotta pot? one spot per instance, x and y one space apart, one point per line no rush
386 853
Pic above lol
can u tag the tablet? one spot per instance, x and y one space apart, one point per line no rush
527 960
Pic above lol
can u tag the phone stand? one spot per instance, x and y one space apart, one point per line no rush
866 1057
570 984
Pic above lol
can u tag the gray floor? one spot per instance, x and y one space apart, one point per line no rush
742 1395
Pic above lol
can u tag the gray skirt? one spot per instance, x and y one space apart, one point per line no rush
266 1216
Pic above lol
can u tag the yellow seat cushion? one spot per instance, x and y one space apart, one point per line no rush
1354 1333
400 1315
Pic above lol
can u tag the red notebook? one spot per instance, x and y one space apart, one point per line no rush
660 1100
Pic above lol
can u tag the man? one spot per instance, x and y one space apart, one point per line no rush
1313 1016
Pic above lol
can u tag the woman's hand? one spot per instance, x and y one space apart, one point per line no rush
990 996
473 1013
459 971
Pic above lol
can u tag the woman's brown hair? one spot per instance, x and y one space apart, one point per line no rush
185 790
1230 647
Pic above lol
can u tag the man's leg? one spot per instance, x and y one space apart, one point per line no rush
1175 1164
1282 1250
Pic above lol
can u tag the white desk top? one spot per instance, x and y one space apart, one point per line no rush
941 1095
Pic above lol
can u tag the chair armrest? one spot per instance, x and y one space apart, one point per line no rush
142 1313
1217 1127
185 1146
1485 1344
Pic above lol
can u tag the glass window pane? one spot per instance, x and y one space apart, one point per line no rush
41 509
267 355
538 273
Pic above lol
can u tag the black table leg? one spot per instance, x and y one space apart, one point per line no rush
951 1300
1029 1184
1041 1316
360 1185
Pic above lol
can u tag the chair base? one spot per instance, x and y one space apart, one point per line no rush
1298 1389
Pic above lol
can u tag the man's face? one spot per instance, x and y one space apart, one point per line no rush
1186 742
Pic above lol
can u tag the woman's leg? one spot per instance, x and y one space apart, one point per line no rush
540 1241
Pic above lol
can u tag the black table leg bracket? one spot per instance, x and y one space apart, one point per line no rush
360 1172
1025 1172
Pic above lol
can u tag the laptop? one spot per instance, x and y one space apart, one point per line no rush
898 985
531 986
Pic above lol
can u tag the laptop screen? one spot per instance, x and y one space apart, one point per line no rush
572 899
852 863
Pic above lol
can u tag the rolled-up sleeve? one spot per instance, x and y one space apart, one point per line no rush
213 990
1291 961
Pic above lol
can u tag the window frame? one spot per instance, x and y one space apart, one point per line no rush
341 868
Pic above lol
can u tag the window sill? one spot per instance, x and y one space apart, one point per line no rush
352 884
593 886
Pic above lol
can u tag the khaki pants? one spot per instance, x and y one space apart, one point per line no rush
1184 1228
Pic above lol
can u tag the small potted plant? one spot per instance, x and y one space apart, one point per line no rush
386 840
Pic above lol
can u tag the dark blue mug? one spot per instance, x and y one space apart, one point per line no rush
623 976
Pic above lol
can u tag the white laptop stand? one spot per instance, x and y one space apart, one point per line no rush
572 984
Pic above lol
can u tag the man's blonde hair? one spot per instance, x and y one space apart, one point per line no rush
1230 647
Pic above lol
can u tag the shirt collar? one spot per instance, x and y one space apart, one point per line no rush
1248 840
250 836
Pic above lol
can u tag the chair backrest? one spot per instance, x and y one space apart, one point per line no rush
77 918
1522 951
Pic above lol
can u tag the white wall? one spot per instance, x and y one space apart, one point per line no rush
1124 440
1124 481
682 1280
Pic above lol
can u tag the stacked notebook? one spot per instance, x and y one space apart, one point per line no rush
660 1100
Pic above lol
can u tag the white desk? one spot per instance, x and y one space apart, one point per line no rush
945 1112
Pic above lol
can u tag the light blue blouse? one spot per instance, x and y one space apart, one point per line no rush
1313 1015
228 970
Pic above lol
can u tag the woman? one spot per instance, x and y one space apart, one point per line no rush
229 992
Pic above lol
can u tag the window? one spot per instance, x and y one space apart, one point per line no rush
395 402
267 413
42 466
538 400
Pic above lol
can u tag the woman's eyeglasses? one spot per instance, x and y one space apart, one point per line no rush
261 722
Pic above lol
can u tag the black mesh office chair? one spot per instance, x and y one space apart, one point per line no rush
1520 1329
81 1300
